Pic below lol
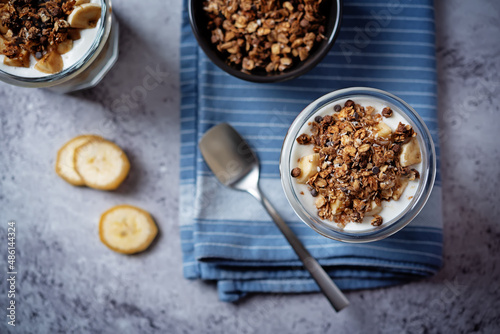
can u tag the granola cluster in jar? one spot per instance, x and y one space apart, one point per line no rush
43 29
269 35
358 162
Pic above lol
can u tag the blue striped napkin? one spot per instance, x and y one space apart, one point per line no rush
226 235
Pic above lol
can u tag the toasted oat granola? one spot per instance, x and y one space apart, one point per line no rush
360 163
34 26
270 35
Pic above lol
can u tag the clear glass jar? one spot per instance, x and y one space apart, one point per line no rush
428 173
89 70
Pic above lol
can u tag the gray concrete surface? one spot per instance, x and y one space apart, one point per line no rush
68 282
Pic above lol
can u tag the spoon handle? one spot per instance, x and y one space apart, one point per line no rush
327 286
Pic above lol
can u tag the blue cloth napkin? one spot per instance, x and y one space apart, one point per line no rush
226 236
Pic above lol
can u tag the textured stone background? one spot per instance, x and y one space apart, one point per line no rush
70 283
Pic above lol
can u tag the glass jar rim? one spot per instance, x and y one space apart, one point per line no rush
104 28
427 177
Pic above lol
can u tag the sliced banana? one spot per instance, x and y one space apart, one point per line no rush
81 2
101 164
2 44
127 229
3 28
74 34
396 195
51 63
308 167
373 209
337 206
383 130
65 163
85 16
410 153
65 46
22 60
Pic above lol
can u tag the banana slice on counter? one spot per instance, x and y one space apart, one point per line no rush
308 167
85 16
101 164
127 229
51 63
65 162
410 153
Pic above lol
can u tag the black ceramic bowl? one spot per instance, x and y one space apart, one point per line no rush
332 9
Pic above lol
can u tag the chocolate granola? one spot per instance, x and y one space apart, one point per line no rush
270 35
34 26
44 29
361 163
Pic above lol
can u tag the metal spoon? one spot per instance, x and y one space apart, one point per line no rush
236 166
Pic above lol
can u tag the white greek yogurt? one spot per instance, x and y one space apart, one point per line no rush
391 209
80 48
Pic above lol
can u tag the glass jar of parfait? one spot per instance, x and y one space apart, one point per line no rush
63 46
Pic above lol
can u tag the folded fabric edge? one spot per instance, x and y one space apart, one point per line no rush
234 290
350 263
354 272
